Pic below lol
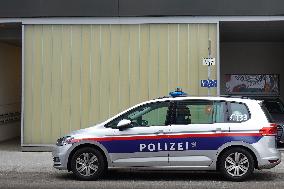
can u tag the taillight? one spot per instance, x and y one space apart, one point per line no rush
273 161
269 131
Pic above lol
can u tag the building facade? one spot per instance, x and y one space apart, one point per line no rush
81 62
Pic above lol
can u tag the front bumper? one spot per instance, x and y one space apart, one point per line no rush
60 156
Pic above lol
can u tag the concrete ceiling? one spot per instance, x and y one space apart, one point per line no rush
11 33
229 32
252 31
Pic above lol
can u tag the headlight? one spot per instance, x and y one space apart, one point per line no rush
64 140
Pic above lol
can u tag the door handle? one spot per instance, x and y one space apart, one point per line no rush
159 132
218 130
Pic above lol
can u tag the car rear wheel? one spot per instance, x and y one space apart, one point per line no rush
236 164
88 164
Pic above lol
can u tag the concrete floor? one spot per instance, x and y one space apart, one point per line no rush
11 145
35 170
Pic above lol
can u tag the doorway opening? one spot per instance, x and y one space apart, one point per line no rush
252 48
252 63
10 81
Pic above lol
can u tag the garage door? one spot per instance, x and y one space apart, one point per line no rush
78 75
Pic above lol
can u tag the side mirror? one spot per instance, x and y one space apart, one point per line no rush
123 124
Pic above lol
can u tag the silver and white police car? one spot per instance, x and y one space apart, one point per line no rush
231 135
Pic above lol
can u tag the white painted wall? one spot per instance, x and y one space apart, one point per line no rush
252 58
10 87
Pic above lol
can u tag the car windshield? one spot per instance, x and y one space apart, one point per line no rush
274 106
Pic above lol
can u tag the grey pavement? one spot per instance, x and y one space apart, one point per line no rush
12 159
34 170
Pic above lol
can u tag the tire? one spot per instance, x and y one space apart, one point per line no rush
88 164
236 164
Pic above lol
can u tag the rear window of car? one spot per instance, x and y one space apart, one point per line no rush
238 112
274 106
266 112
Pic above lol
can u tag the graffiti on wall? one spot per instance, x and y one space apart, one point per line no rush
252 84
6 118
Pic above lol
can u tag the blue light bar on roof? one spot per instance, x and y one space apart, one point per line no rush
177 93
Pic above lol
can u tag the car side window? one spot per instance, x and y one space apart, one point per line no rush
152 114
200 112
220 112
193 112
239 112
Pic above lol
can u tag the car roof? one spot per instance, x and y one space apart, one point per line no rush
266 98
218 98
262 97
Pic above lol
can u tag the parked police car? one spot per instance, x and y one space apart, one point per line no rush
231 135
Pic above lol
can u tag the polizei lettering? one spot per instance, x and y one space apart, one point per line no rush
171 146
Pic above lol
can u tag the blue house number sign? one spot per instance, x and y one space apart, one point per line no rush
208 83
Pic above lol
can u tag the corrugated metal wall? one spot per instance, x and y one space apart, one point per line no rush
79 75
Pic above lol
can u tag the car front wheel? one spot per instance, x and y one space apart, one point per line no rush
236 164
88 164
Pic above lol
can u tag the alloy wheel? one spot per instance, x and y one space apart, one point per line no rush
237 164
87 164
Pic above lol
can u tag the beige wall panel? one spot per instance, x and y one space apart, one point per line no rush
46 85
28 112
183 57
76 78
85 75
153 61
105 71
114 69
37 80
124 68
194 84
56 81
95 73
134 64
164 71
144 62
66 79
79 75
173 52
203 52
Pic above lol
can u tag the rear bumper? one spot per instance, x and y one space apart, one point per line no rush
270 160
267 154
270 165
